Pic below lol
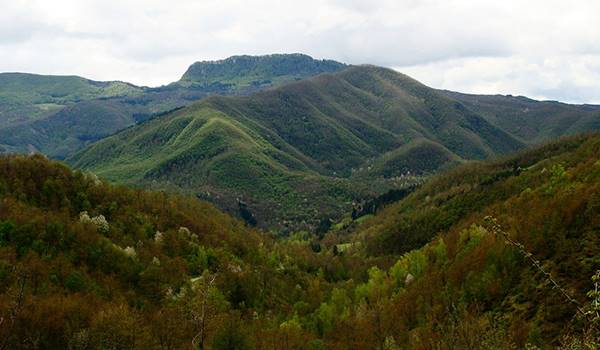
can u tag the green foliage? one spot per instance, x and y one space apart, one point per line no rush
29 97
201 259
529 120
473 272
440 251
453 196
75 282
6 230
168 268
411 264
309 149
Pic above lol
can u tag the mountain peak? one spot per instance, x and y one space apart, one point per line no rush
255 69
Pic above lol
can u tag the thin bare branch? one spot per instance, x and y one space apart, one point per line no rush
494 227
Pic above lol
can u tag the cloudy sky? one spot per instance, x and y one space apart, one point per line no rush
544 49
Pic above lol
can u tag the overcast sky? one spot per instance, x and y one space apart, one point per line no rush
543 49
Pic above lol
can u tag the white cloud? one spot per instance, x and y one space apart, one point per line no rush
568 78
545 49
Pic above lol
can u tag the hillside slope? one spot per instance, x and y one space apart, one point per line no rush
84 264
312 146
69 129
87 265
460 282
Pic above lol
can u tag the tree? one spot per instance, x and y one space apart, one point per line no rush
203 307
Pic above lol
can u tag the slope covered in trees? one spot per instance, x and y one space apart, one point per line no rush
27 97
290 156
86 265
315 145
482 246
70 128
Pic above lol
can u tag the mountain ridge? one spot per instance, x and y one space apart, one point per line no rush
314 136
294 65
26 98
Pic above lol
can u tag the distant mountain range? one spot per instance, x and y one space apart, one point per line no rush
58 115
529 120
288 140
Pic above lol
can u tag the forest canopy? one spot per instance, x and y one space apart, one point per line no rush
89 265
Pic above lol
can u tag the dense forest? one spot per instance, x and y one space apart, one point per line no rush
502 254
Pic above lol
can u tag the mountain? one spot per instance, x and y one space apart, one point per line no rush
529 120
310 150
503 257
250 72
473 190
71 128
312 146
36 105
28 97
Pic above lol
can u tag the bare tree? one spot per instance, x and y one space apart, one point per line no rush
202 309
495 228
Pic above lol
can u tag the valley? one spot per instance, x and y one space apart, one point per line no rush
427 271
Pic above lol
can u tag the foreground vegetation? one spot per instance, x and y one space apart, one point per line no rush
87 265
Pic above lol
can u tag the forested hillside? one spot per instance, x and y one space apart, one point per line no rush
532 121
313 146
28 97
301 142
206 184
467 261
70 128
85 265
482 247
